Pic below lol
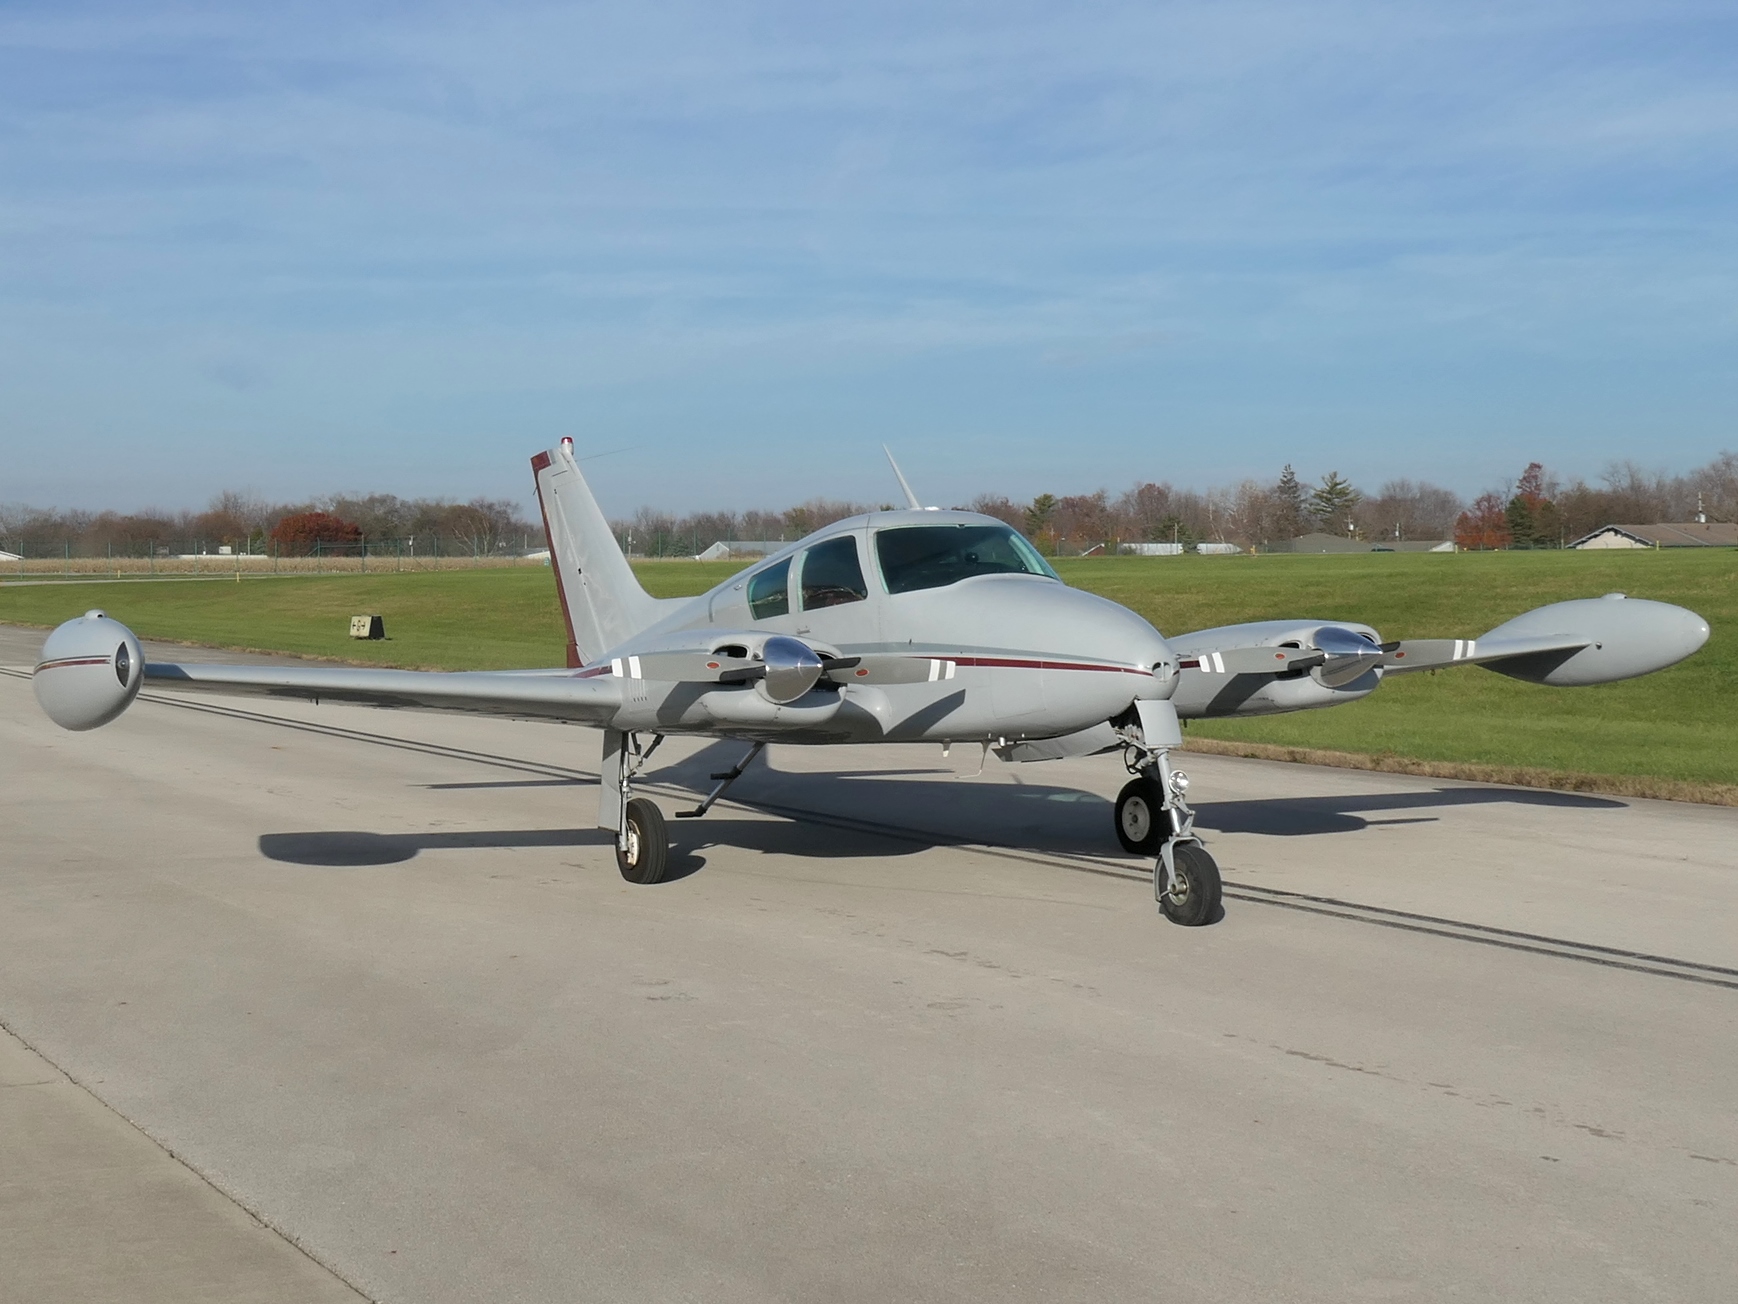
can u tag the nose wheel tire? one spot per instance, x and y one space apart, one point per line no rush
1141 822
643 850
1194 896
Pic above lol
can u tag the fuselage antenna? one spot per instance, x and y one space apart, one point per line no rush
910 498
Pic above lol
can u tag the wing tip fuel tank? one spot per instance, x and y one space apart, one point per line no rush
89 672
1624 638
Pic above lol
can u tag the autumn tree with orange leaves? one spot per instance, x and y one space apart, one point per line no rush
1485 526
298 535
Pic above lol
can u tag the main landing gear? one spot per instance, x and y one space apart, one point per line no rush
1154 819
642 836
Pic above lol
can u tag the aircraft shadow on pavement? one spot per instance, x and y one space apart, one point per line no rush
1295 816
900 812
354 848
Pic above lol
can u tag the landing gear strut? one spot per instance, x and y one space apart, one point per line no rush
642 836
1154 817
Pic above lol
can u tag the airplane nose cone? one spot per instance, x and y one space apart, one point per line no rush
1073 625
1024 616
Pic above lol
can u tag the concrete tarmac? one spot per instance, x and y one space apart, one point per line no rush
894 1033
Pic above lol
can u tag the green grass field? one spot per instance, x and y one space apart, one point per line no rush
1680 725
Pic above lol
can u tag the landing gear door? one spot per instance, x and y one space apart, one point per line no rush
1159 724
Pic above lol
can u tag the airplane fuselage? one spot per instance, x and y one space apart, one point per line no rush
1017 653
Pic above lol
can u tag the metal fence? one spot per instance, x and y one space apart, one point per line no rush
42 559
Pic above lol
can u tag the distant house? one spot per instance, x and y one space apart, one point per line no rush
10 556
1678 534
1319 542
1178 549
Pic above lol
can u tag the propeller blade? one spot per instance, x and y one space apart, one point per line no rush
689 667
889 668
686 667
1424 653
1253 660
1343 655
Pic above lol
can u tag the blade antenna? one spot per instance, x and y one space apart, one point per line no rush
910 498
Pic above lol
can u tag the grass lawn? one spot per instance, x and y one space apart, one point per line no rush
1679 725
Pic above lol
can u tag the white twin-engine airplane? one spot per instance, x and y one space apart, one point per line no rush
918 625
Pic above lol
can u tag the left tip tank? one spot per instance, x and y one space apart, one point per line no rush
89 672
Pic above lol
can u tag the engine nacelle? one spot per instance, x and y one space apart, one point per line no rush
90 671
1206 693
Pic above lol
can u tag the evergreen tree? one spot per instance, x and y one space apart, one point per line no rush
1332 502
1534 521
1038 515
1289 515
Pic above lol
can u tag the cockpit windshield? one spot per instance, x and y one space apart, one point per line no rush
932 556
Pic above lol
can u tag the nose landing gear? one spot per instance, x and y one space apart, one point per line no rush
1141 821
1193 897
1153 818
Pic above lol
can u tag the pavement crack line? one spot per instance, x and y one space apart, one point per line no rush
301 1248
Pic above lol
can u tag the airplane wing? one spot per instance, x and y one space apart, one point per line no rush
546 695
1273 666
1412 654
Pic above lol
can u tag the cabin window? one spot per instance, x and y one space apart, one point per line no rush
832 575
769 592
933 556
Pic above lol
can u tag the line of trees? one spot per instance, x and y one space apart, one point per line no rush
245 523
1537 511
1540 511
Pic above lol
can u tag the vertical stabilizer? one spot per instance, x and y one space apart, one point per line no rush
600 598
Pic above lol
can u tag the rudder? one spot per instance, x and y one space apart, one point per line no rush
601 599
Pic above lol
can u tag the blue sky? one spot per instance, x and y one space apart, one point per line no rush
311 247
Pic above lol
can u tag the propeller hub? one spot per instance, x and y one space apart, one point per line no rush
792 668
1348 655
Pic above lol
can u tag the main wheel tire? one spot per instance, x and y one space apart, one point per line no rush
1194 896
643 851
1141 822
